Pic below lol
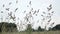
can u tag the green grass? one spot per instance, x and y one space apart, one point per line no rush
45 32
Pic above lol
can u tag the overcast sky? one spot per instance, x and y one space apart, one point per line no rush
36 4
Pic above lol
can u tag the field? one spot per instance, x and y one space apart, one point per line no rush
45 32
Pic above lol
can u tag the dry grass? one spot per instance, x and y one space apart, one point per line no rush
45 32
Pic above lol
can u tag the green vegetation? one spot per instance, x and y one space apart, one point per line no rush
49 32
7 27
10 28
29 29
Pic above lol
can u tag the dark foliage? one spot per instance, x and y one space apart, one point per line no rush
57 27
40 29
0 26
29 29
7 27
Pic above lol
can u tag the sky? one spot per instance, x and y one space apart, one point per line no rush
22 6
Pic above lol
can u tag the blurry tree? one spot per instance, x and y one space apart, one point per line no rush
29 17
57 27
29 29
40 29
1 16
8 27
47 16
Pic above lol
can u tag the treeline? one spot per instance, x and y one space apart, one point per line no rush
39 29
7 27
11 27
57 27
